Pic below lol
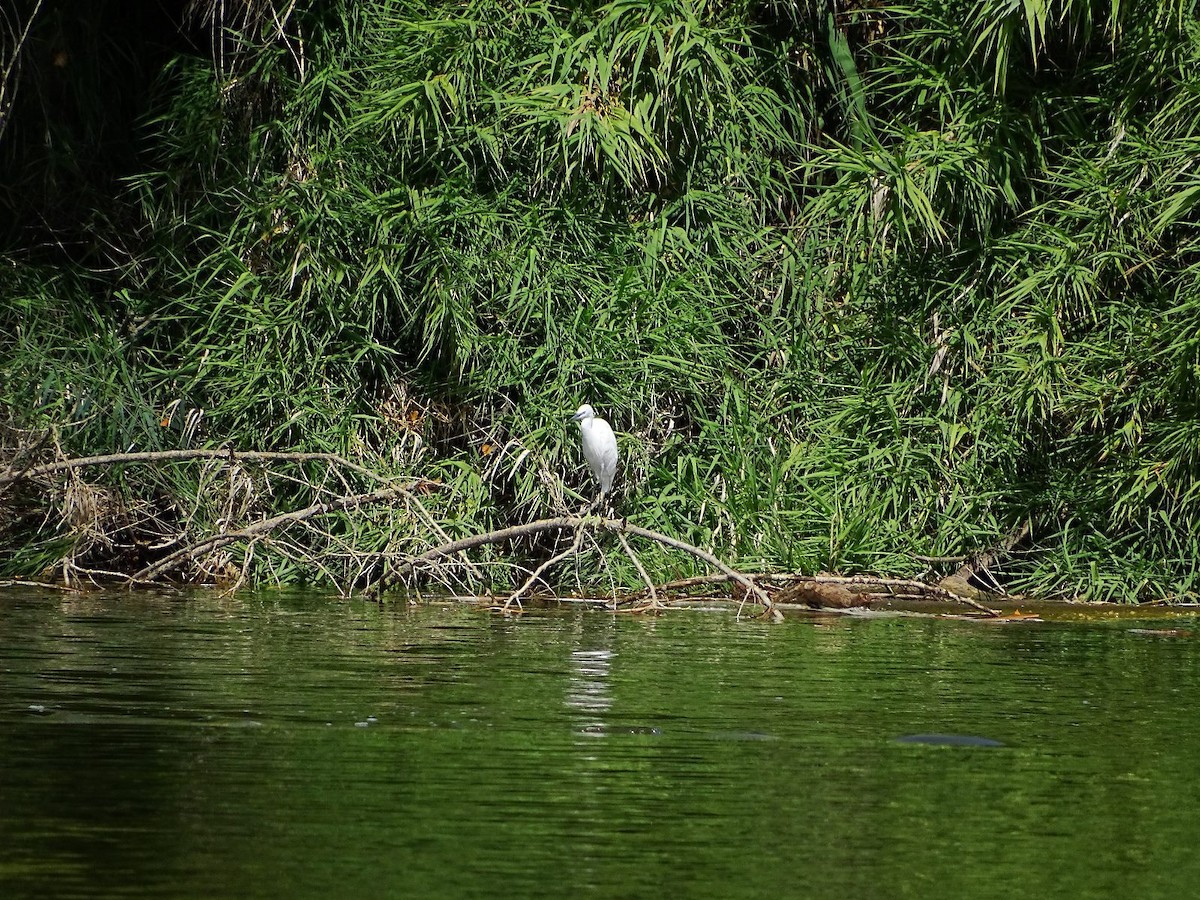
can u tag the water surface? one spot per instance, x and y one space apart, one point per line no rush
299 745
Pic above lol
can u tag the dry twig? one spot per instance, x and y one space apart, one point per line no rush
637 564
515 596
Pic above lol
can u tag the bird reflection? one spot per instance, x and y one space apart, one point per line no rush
588 690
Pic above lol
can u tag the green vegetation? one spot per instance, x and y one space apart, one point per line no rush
853 286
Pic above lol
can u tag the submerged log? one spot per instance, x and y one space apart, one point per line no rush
821 595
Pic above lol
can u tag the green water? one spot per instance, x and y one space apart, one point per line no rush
292 746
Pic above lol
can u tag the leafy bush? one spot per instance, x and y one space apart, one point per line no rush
856 286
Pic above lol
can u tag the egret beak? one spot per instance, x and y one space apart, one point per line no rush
578 417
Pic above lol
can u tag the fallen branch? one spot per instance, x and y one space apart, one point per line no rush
265 526
616 526
928 591
920 590
158 456
30 472
515 596
20 582
637 564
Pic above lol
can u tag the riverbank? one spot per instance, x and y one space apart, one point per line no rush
853 298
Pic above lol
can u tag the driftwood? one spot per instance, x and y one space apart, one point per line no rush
21 582
822 595
810 589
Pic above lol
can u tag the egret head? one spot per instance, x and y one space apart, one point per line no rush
584 412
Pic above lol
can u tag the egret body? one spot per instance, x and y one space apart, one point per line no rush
599 446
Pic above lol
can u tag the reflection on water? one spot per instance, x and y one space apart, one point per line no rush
588 690
287 745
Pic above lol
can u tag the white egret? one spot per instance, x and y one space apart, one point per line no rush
599 446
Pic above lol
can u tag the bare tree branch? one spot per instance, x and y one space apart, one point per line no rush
616 526
266 526
637 564
515 596
158 456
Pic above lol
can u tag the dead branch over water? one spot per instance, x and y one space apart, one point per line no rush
820 590
258 529
619 527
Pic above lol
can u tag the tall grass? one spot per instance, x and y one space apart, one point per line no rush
856 284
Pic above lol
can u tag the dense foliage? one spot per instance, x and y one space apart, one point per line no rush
855 282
